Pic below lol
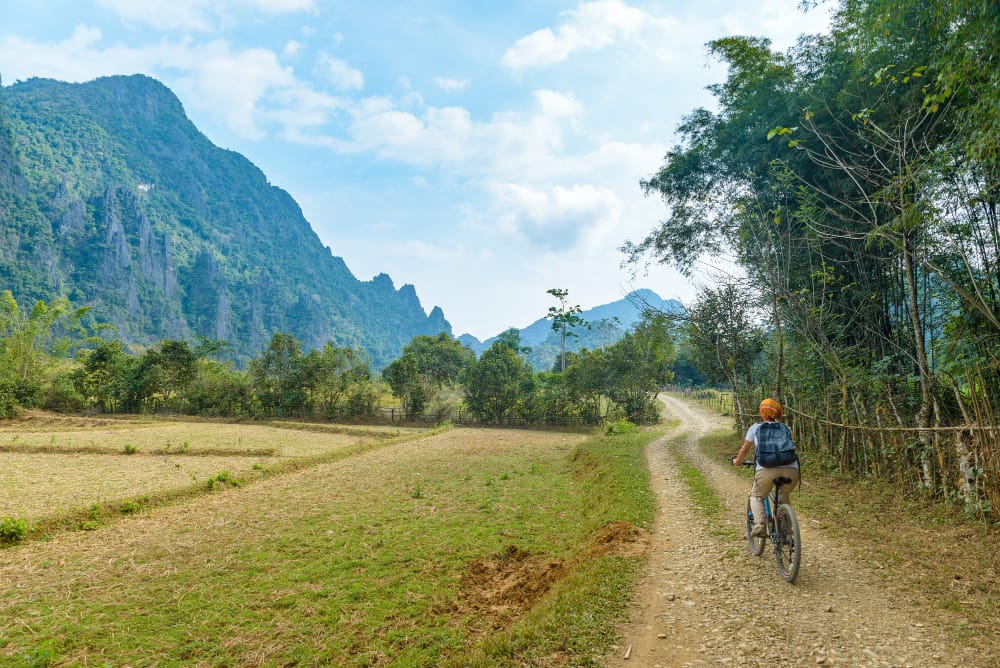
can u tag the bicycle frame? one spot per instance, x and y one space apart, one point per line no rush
782 528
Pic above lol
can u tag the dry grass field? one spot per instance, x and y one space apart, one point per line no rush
181 437
36 486
55 465
376 557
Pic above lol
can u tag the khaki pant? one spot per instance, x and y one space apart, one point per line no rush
763 479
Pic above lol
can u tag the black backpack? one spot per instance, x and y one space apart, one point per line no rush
774 445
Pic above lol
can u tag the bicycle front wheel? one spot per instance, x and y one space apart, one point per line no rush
788 544
755 543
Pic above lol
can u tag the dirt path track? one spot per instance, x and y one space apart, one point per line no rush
706 601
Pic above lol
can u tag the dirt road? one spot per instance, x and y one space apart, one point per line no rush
706 601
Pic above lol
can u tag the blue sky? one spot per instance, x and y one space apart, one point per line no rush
482 151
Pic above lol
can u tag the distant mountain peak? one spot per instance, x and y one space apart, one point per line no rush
621 315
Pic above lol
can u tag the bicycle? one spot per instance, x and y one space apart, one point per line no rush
782 528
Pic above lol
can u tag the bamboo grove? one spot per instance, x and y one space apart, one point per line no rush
854 180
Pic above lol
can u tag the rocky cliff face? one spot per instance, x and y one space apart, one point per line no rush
111 197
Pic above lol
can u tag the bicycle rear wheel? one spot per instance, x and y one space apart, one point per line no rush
788 544
755 543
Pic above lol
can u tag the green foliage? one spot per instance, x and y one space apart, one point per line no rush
854 180
130 449
428 364
221 479
565 319
621 426
12 530
129 507
31 341
499 382
137 214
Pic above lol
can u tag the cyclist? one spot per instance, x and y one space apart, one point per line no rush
763 478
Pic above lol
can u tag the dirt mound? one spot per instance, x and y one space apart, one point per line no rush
620 539
510 582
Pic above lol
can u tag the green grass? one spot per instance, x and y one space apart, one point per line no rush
342 563
703 496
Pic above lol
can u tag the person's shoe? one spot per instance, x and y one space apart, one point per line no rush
758 531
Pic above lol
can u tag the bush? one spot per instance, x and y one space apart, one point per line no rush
60 394
222 478
12 530
130 508
8 402
362 401
622 426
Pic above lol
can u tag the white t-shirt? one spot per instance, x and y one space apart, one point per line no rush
752 437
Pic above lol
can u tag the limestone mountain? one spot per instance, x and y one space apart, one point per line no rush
110 196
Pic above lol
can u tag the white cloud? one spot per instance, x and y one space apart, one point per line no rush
294 48
450 84
558 104
196 15
340 74
76 58
557 218
592 26
246 89
163 14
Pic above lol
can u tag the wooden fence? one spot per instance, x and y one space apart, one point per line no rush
953 463
464 416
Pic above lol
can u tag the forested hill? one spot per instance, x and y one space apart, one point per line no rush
111 197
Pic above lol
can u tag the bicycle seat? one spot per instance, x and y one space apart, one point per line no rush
782 480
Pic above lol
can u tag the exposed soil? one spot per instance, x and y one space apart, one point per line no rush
705 601
503 587
509 583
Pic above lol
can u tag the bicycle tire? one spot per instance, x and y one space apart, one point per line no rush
754 543
788 546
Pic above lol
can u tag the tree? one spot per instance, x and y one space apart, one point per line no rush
277 376
333 372
564 318
428 364
403 376
100 378
639 365
499 382
855 179
724 337
29 340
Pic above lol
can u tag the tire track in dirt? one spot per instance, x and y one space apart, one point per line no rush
705 601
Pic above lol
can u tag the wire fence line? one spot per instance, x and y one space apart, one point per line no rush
464 416
957 463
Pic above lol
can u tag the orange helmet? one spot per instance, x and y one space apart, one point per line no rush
771 409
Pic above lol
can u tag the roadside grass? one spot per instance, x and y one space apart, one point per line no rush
577 624
341 563
940 558
703 496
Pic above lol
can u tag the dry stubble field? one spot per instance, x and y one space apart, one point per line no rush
427 548
55 466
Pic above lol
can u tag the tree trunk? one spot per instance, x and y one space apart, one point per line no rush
926 394
967 470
